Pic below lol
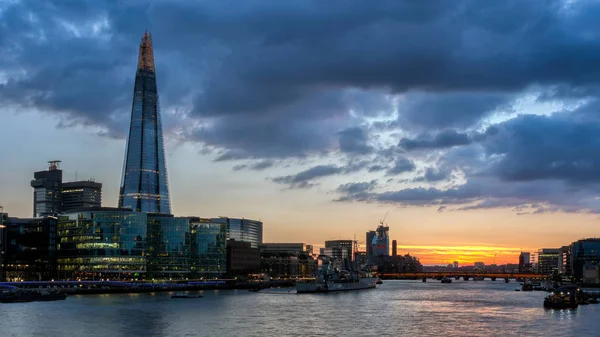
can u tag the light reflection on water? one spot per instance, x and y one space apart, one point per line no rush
397 308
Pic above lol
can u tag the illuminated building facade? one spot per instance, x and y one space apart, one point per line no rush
120 244
244 230
549 261
169 247
81 194
102 243
144 183
208 248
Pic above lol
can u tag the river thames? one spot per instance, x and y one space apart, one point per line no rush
396 308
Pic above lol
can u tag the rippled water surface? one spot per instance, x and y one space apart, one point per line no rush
396 308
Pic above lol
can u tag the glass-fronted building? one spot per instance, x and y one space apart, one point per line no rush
144 183
29 248
584 252
169 247
244 230
102 243
120 244
209 248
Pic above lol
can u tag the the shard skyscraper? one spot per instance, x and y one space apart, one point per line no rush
144 183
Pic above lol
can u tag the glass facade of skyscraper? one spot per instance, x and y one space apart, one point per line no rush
584 252
245 230
144 183
104 243
169 247
209 248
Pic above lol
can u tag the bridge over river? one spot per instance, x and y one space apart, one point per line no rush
463 275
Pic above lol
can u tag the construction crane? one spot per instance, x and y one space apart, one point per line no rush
386 214
356 243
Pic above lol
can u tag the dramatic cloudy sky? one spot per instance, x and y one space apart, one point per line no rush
476 124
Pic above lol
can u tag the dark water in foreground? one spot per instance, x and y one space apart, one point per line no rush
397 308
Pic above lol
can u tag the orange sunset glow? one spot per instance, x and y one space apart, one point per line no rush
464 255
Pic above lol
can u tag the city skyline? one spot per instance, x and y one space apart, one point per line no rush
274 125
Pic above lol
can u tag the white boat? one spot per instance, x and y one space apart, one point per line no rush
329 280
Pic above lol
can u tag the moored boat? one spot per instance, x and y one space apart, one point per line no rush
446 280
22 296
330 280
182 295
566 297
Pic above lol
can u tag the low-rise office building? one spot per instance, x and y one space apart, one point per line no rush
286 260
240 229
549 261
81 194
102 243
118 243
28 248
242 259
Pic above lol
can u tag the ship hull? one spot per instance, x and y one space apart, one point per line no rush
307 287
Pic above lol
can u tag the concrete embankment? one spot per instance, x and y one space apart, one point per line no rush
89 288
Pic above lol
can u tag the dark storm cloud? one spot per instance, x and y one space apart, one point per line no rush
354 141
443 110
355 191
531 163
485 193
278 79
302 179
256 166
377 168
433 174
541 148
402 165
444 139
457 61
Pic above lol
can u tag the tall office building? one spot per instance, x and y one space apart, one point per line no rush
394 247
381 241
524 262
144 183
47 189
81 194
369 243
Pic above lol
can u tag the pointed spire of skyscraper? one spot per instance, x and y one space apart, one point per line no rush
146 55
